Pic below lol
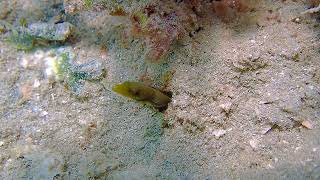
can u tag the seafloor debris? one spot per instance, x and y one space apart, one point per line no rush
61 67
160 23
307 124
312 10
254 143
142 93
218 133
27 37
266 129
51 32
226 107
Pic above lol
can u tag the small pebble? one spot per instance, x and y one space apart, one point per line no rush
43 114
254 144
36 83
297 20
285 142
218 133
26 91
270 166
307 124
226 107
265 130
24 63
29 140
297 149
39 54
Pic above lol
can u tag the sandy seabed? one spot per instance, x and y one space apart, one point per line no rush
245 102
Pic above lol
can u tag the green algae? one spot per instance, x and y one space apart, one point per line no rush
23 22
21 40
72 75
88 3
37 34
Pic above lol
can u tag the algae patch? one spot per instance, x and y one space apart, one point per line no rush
22 40
27 37
62 68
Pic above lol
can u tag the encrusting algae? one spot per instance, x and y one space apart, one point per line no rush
28 36
143 93
62 68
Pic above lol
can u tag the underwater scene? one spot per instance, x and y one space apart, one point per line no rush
159 89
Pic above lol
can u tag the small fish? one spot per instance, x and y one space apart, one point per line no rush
143 93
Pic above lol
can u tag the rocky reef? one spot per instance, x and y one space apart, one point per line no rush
161 23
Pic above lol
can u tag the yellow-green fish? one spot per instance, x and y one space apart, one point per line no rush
143 93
